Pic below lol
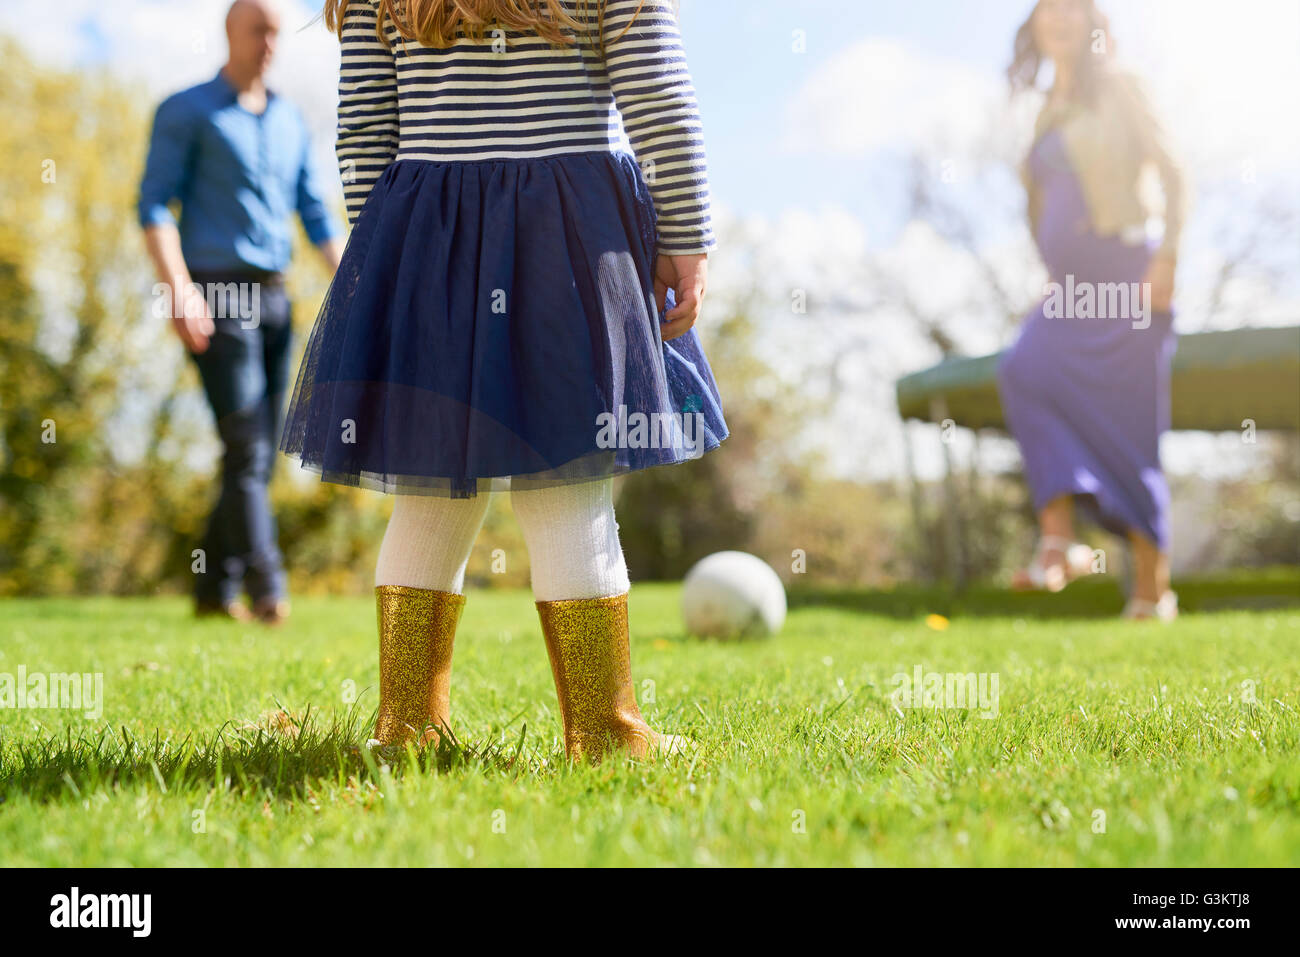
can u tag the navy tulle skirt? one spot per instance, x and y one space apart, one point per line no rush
495 320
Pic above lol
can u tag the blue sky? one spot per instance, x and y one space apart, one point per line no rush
746 73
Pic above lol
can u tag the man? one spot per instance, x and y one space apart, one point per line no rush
239 160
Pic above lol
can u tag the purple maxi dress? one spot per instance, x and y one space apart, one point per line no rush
1087 399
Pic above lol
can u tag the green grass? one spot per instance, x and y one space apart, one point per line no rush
803 758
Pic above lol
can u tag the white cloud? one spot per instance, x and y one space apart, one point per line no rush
878 95
1226 81
1227 78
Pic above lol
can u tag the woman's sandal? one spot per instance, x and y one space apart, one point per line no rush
1053 578
1139 609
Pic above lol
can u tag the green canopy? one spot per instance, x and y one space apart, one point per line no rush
1219 379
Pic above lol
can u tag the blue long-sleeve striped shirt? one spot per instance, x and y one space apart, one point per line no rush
515 96
238 177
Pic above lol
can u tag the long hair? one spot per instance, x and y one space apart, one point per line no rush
437 23
1094 56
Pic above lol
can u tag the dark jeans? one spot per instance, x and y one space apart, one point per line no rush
245 373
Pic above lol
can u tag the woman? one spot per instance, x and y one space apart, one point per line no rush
1086 386
502 298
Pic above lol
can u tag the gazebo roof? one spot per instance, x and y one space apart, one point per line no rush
1219 379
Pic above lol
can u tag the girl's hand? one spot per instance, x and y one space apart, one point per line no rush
687 277
1160 275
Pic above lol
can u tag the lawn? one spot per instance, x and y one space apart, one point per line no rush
1114 743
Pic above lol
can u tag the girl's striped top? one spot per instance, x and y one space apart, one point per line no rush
514 95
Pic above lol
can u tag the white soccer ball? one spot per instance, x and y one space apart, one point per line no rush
733 595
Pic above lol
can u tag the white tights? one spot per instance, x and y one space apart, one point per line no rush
570 532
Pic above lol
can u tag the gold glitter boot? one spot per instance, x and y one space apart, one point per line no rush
416 630
587 642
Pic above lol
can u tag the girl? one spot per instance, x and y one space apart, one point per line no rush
499 320
1087 395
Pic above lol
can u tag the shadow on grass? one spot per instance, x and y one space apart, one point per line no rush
1099 597
282 756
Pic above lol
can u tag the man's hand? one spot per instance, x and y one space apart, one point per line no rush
190 315
192 319
688 278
